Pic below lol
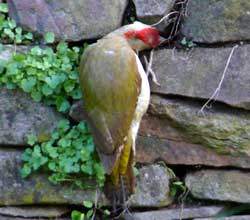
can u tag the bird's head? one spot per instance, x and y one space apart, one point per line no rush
139 36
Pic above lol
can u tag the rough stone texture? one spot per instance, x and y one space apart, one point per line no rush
224 20
69 20
20 218
38 190
151 11
237 217
220 185
33 211
197 74
170 214
20 116
152 187
35 190
221 129
162 139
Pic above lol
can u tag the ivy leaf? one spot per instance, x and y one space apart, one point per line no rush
63 124
26 155
49 37
52 166
10 85
85 154
32 139
76 215
62 47
28 36
88 204
53 81
3 7
46 90
87 168
28 84
64 142
62 104
25 171
36 95
18 30
76 94
69 85
11 23
89 213
9 33
82 127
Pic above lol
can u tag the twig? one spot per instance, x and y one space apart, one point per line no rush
217 90
165 17
182 199
96 201
149 70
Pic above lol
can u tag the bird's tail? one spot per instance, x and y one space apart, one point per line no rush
122 176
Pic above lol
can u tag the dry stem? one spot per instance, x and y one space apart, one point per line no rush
149 70
217 90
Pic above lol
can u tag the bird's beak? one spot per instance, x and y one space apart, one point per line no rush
163 37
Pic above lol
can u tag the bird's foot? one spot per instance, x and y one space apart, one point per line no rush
120 199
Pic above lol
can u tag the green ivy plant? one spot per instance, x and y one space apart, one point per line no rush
187 43
49 76
90 212
69 156
9 32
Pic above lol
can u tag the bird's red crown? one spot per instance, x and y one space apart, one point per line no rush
148 35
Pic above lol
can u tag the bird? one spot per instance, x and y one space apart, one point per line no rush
116 94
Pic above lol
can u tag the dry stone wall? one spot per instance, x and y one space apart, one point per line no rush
208 150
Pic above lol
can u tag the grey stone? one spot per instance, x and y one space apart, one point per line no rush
197 74
2 217
176 213
30 211
15 190
33 211
237 217
151 11
20 116
37 190
222 129
211 21
70 20
222 185
152 187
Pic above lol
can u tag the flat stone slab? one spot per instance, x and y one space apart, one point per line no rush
210 21
70 20
33 211
177 213
221 185
222 129
37 190
237 217
197 74
151 11
2 217
20 116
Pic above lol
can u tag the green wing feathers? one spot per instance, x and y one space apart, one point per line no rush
111 84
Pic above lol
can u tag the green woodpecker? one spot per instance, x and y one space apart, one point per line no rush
116 94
